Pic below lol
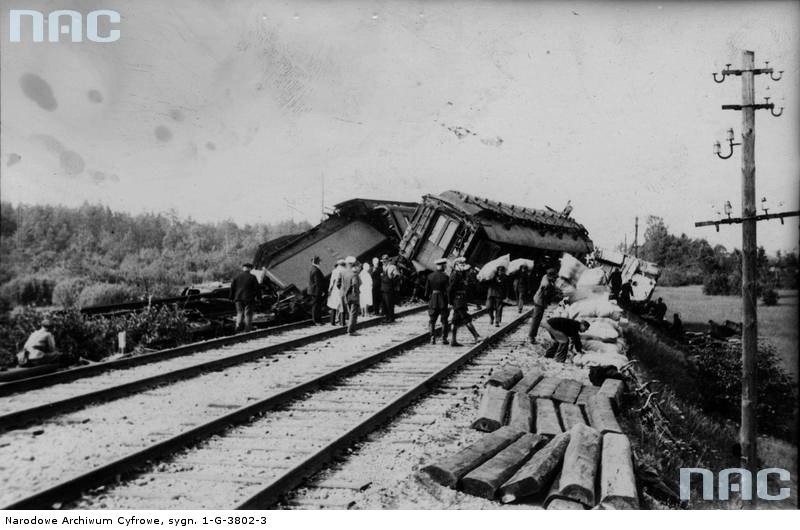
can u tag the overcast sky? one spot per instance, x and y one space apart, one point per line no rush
239 109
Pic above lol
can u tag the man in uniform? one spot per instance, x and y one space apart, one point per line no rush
436 292
521 286
40 348
543 297
316 290
388 286
376 272
459 296
496 295
244 293
615 283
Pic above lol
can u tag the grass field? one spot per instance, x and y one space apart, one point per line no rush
777 324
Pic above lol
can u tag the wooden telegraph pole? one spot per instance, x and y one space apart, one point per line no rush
747 431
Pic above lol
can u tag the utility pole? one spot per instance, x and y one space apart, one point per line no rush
747 429
636 237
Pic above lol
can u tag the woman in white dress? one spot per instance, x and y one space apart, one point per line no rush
334 292
366 289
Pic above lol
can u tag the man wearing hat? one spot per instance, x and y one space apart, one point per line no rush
40 348
521 286
316 290
388 287
459 296
244 293
543 297
351 293
495 296
376 273
436 291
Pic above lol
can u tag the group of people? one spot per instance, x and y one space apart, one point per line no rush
353 289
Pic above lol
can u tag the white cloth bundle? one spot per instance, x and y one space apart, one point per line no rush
591 277
515 265
600 359
601 331
571 269
488 271
596 307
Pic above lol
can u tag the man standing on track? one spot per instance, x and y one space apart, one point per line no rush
496 296
543 297
459 296
388 286
244 293
351 293
316 289
521 286
436 291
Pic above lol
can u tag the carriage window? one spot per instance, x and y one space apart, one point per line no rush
436 233
448 234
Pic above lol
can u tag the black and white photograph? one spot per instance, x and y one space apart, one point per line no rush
397 255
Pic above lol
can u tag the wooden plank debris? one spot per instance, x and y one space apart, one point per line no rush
601 415
505 377
613 389
527 382
617 479
547 423
520 413
492 412
571 415
587 392
485 480
537 472
567 391
545 387
449 470
581 460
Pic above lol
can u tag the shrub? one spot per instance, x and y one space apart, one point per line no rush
105 294
769 297
717 283
67 291
28 290
161 327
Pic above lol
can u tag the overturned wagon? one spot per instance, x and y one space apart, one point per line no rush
455 224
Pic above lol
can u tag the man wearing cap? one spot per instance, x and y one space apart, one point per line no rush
562 331
543 297
459 296
521 286
436 291
495 296
376 272
244 293
351 293
40 348
388 287
316 290
335 291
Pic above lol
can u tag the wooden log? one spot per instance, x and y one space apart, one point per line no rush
601 415
571 415
547 423
545 387
581 460
564 504
587 393
449 470
567 390
485 480
505 377
520 412
492 412
537 472
613 389
617 479
526 383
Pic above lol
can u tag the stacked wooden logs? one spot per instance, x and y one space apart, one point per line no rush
552 440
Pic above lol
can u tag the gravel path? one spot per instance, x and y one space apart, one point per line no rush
70 444
383 472
229 468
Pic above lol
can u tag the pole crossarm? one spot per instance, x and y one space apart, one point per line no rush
739 220
756 106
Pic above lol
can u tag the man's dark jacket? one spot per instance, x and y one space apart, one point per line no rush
316 282
569 327
244 287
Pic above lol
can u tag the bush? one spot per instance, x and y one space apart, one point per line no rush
717 283
105 294
28 290
769 297
67 291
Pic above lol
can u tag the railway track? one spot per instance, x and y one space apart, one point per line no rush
116 379
279 440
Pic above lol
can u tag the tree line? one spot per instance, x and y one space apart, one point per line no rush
91 255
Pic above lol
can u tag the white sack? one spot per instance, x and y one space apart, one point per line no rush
488 271
515 264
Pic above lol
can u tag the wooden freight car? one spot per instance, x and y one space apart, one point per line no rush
455 224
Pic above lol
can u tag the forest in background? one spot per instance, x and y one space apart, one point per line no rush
91 255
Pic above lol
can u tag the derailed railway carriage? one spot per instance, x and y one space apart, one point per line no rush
454 224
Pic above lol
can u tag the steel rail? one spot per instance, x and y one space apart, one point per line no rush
272 493
47 410
72 488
